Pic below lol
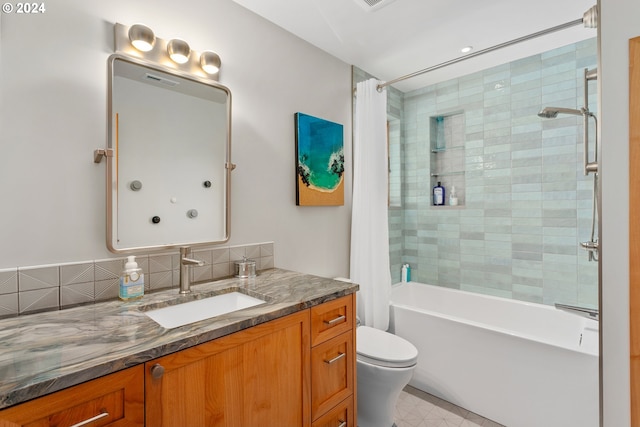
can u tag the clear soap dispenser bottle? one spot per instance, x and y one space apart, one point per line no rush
131 280
453 197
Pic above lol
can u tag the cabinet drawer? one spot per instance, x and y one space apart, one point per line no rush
331 373
340 416
115 400
331 319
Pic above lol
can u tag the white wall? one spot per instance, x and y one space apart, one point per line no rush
619 24
53 97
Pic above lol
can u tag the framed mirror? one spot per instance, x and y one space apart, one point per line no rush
168 178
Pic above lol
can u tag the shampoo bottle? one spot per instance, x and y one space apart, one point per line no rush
131 280
406 273
438 195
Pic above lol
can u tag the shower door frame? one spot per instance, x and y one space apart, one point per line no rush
634 227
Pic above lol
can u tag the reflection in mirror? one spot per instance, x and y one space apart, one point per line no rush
168 182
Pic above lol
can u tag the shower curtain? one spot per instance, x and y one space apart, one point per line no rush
369 217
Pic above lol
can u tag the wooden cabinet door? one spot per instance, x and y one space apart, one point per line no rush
256 377
115 400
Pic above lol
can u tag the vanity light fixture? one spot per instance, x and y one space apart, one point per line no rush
142 37
210 62
179 51
140 42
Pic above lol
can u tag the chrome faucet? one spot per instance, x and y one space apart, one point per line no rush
185 262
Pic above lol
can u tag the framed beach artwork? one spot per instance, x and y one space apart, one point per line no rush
319 162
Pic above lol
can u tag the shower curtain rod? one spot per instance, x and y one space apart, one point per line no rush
483 51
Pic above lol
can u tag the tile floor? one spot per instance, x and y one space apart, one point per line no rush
416 408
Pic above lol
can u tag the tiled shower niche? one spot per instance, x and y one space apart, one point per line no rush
447 135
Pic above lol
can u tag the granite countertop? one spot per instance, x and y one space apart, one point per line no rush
46 352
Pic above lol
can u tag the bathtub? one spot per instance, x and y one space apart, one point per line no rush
519 364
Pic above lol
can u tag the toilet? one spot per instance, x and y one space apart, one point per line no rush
385 364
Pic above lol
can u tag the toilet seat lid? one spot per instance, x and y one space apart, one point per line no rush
384 349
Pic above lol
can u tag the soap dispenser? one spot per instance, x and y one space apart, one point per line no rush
131 280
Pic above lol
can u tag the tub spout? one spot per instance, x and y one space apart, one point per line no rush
590 313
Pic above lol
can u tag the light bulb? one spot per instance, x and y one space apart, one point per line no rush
142 37
210 62
179 51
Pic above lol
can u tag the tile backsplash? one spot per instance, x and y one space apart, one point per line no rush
31 289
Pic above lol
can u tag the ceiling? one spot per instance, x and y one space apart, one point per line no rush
400 37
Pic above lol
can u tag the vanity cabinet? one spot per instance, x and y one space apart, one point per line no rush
298 370
333 363
295 371
115 400
255 377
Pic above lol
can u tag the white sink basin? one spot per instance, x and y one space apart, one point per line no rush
206 308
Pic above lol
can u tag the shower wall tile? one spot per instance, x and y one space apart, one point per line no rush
525 199
527 293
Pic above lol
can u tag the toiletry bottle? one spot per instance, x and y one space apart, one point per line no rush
131 280
438 195
406 273
453 197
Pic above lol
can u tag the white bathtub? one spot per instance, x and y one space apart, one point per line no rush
519 364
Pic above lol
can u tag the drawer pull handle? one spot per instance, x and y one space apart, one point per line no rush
90 420
336 320
335 359
342 423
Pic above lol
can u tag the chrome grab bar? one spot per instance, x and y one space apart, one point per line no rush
589 167
590 313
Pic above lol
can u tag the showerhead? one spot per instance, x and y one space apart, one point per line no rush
548 113
552 112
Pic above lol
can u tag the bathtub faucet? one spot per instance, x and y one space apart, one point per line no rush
590 313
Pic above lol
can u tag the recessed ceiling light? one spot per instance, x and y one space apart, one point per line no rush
466 49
